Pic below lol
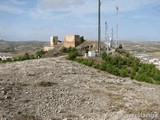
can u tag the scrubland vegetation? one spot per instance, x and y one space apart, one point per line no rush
121 64
26 56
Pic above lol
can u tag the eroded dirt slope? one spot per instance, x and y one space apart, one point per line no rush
57 89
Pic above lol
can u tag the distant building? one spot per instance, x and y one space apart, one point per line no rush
154 60
53 42
48 48
91 53
5 57
72 41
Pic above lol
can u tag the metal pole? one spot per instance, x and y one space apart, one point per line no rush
112 38
117 10
107 37
99 27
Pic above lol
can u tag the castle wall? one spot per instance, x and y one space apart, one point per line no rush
48 48
71 41
53 41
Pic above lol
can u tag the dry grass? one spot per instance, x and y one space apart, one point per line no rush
151 111
27 117
148 109
112 98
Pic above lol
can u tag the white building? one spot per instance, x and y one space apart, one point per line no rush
91 53
5 57
154 60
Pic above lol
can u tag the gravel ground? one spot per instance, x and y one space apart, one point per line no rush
57 89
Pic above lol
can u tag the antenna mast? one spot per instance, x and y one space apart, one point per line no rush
117 32
107 37
112 38
99 27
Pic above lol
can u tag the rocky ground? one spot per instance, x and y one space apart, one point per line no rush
57 89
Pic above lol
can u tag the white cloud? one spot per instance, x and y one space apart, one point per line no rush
11 9
75 15
127 5
76 7
18 2
81 7
57 4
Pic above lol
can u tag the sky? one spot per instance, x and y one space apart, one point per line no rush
22 20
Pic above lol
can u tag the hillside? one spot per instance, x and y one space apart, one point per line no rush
14 48
151 48
57 89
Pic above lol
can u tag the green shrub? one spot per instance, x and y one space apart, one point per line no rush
97 66
104 56
9 60
72 55
88 62
68 50
39 53
26 56
71 49
20 58
132 74
123 73
114 70
103 66
32 57
123 65
64 50
79 60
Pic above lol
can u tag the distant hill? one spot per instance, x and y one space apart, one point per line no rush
6 46
20 47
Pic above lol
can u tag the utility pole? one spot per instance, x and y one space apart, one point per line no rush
112 38
117 32
99 27
107 37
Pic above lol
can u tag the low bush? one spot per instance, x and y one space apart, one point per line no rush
122 65
123 73
85 61
72 55
68 50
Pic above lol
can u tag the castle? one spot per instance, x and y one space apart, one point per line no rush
69 41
